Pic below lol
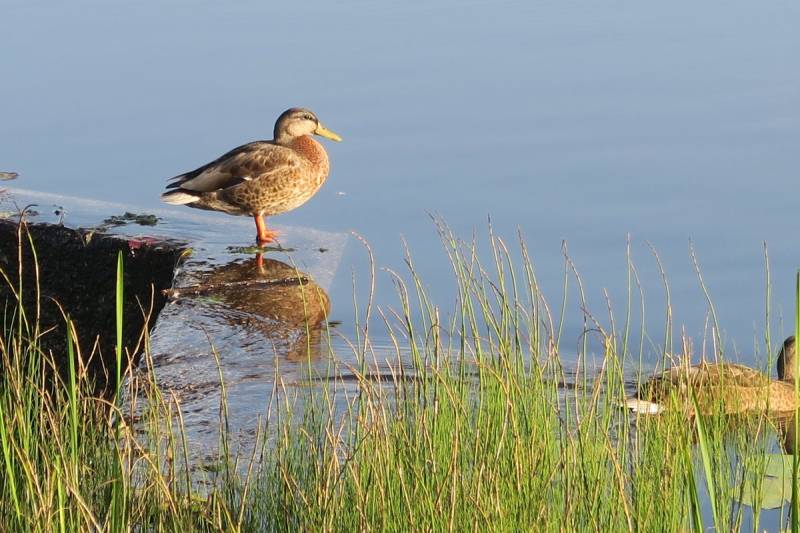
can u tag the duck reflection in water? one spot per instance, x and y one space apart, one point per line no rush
284 305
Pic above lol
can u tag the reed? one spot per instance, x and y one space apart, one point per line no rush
484 426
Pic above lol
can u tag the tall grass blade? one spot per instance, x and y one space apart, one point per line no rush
795 459
694 498
72 394
119 309
8 461
705 456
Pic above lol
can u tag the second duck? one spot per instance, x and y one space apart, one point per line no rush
727 386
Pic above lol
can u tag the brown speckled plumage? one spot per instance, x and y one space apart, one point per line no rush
261 178
730 387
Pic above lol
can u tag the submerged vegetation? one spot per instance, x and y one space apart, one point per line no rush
481 425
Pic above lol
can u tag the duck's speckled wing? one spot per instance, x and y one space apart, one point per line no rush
738 375
729 387
707 380
711 375
246 163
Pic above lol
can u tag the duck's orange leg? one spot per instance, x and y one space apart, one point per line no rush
265 235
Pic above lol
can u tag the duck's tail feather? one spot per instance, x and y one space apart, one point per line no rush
180 197
178 178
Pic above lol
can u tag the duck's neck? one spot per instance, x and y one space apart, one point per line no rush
311 150
786 361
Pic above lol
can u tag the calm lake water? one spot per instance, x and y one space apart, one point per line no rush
673 123
584 123
570 122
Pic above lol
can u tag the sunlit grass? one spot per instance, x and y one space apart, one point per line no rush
484 428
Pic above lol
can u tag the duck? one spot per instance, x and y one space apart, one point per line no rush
735 388
261 178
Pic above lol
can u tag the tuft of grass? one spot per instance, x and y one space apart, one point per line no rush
481 422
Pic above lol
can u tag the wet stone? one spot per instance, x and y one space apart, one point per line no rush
77 269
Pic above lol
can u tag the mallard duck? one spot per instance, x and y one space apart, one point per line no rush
736 388
261 178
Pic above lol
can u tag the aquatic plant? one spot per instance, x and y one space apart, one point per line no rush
481 423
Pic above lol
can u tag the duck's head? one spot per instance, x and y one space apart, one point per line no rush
786 360
296 122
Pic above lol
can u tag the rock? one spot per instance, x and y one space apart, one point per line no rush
77 272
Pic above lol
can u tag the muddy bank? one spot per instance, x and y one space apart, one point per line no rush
77 269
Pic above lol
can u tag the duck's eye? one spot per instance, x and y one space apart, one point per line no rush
309 117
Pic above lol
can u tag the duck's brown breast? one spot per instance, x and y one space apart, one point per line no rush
314 153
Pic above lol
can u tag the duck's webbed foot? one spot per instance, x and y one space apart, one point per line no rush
264 235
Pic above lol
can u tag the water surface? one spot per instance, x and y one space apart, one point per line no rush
570 122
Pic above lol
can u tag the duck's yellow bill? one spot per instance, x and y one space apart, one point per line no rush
322 131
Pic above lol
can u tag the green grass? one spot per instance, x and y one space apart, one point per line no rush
488 439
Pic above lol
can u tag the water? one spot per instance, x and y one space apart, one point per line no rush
671 123
570 122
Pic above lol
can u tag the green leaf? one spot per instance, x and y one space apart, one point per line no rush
774 491
778 465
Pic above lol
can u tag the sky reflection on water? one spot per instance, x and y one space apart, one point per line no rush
570 122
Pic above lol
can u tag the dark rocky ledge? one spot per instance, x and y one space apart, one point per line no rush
77 269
